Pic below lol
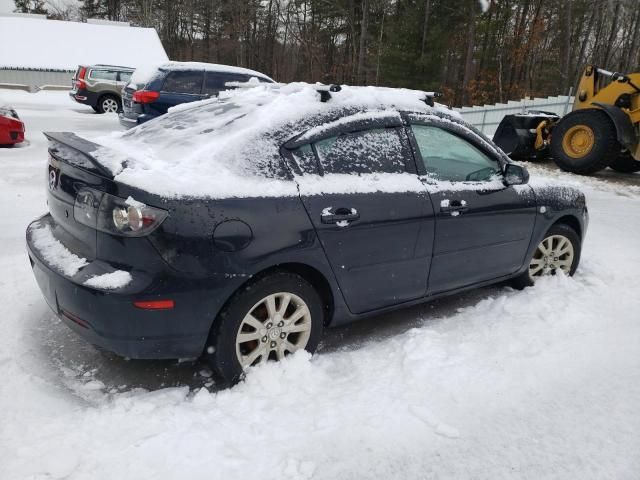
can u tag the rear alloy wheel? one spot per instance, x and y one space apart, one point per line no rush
276 326
108 104
625 163
558 251
266 320
584 142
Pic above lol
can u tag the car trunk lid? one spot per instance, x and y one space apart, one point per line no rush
72 167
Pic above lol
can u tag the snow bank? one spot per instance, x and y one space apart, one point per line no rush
37 99
61 45
110 281
492 384
230 146
55 253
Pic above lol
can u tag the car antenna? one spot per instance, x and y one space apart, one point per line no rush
429 96
326 90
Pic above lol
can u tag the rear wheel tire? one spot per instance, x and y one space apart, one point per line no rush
585 142
625 163
108 104
559 250
267 319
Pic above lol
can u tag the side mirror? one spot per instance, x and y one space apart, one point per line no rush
515 174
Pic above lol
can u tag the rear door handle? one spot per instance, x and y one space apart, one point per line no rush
338 215
453 207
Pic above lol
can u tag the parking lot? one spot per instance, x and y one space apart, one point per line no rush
487 384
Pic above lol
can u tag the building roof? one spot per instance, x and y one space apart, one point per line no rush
35 43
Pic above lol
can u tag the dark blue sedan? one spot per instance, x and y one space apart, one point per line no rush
240 228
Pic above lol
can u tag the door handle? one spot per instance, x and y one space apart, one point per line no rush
339 215
453 207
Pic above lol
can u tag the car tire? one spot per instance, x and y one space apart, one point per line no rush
109 104
625 163
585 142
266 335
563 246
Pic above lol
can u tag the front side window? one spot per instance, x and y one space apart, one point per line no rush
449 157
378 150
305 159
183 82
103 75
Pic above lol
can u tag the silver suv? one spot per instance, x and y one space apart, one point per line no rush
100 86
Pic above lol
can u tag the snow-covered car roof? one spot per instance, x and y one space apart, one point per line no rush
230 146
142 75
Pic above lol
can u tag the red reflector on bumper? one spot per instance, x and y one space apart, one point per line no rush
155 304
74 319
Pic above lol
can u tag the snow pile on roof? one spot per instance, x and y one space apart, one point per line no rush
59 45
142 75
230 146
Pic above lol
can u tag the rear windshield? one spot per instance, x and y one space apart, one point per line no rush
103 75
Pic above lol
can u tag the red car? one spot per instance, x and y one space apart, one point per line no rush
11 127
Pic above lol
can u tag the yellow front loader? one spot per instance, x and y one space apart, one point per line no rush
601 131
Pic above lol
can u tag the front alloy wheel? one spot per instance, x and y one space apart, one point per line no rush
554 253
276 326
559 250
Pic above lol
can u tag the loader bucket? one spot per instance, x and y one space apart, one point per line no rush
516 135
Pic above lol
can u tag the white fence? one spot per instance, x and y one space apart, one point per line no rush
487 117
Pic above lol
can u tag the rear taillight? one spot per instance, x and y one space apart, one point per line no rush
80 83
145 96
116 215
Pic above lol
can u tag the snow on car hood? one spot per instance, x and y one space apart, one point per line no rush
230 146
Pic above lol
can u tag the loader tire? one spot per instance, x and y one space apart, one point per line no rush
625 163
584 142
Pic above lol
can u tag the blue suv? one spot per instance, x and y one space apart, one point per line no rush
151 95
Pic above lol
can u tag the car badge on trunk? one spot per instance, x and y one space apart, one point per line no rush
52 179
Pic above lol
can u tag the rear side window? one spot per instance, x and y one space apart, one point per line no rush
125 76
378 150
449 157
183 82
103 75
214 82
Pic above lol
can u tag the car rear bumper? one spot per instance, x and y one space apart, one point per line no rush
133 119
127 122
11 131
85 97
109 318
11 137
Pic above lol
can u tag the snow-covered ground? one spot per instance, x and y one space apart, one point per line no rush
492 384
